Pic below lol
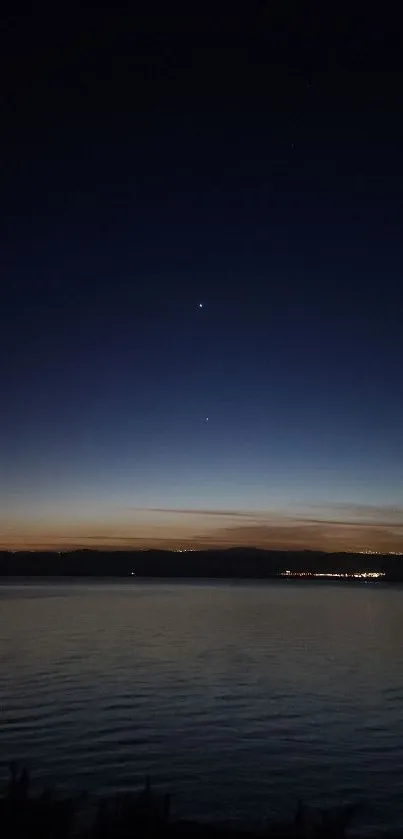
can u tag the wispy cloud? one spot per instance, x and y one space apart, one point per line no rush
327 527
179 511
357 513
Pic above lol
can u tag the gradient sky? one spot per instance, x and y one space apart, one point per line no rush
251 163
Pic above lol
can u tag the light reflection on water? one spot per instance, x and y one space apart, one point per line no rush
238 698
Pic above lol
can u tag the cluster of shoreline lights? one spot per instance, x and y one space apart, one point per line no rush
357 575
380 553
184 550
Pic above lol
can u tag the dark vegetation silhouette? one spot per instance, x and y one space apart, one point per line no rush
145 815
22 814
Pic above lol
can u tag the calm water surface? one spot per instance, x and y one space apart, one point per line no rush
237 698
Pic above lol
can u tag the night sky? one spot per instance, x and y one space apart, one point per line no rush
250 163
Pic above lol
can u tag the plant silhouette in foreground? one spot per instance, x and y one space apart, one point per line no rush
145 815
23 815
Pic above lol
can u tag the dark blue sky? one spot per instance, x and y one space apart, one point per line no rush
251 163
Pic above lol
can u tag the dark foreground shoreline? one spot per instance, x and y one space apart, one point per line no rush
147 815
250 563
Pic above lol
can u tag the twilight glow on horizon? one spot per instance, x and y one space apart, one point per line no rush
363 530
200 324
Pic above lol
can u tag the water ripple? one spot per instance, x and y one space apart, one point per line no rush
237 698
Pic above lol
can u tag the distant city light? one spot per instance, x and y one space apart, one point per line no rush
184 550
357 575
380 553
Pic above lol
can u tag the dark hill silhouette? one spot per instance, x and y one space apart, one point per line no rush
234 563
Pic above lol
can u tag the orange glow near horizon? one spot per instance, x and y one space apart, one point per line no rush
337 529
